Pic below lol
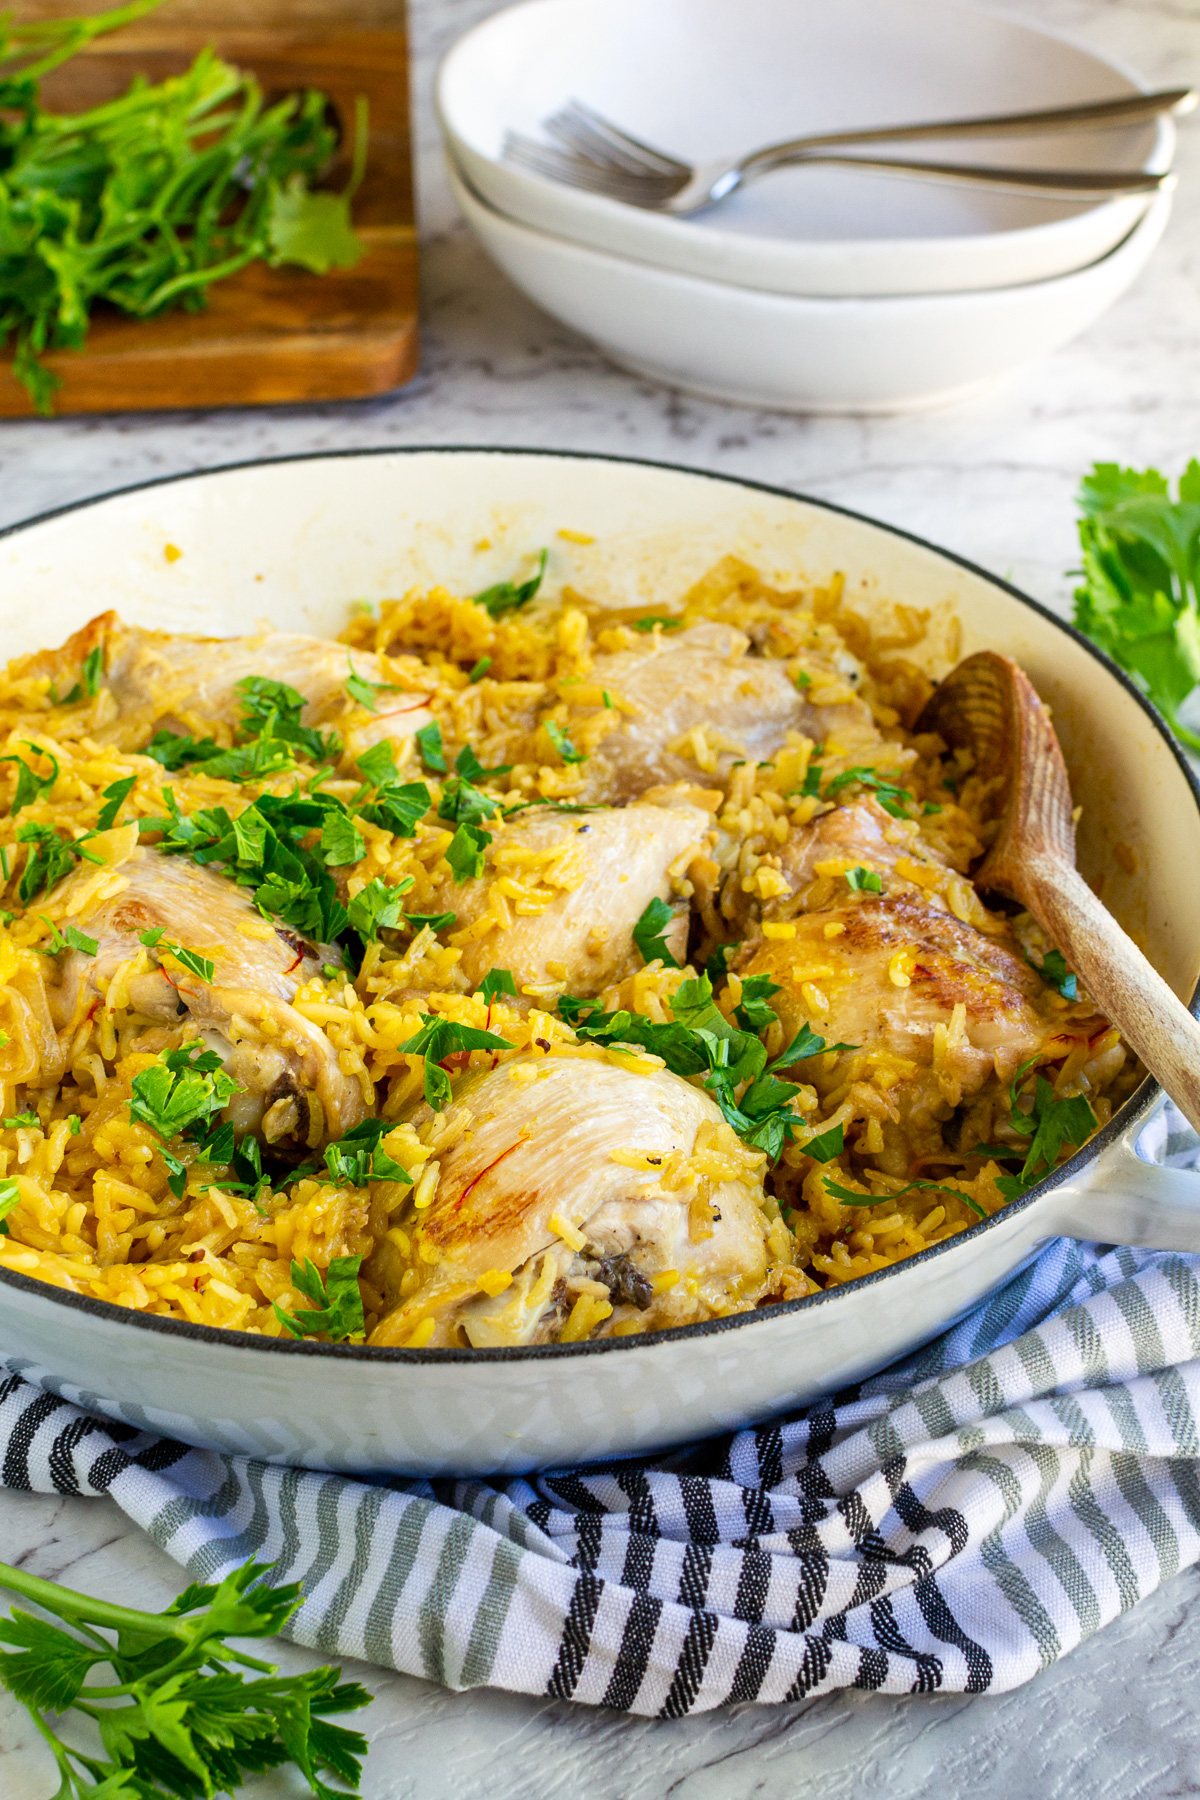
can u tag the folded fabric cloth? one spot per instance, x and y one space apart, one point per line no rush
956 1523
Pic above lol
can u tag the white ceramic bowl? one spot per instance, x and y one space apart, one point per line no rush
296 542
799 354
706 79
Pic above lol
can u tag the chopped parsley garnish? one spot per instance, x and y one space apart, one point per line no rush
891 797
813 777
51 856
91 669
341 841
377 906
497 981
270 732
263 848
699 1040
864 881
848 1197
364 691
439 1039
829 1144
802 679
26 1121
70 939
337 1300
10 1197
468 765
397 806
180 1096
563 744
464 804
191 960
465 852
752 1012
435 921
357 1158
114 798
429 747
1049 1125
1055 973
717 966
30 786
648 933
478 670
506 596
652 619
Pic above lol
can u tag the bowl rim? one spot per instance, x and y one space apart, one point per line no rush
773 300
1157 160
1135 1110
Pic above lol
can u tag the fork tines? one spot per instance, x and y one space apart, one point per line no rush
600 158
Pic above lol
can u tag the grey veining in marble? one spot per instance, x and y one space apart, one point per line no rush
1117 1720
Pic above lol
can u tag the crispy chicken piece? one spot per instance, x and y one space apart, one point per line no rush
163 680
575 1178
295 1092
898 975
602 869
704 676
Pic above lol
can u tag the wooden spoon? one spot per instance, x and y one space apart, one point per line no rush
988 706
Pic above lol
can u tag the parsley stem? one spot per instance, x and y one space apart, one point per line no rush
66 1603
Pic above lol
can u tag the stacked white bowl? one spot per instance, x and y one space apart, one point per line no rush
818 289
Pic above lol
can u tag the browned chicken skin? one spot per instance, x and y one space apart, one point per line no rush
886 973
294 1090
160 680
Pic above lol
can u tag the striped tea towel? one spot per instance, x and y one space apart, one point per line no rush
957 1522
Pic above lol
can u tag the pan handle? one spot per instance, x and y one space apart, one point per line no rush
1123 1198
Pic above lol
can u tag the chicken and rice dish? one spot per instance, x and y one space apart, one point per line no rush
512 971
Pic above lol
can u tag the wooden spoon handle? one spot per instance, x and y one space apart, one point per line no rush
1152 1020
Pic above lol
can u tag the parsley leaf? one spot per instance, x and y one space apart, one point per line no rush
497 981
70 939
10 1197
1049 1124
30 786
462 803
829 1144
889 795
470 768
439 1039
848 1196
51 856
191 960
649 930
505 596
563 744
357 1158
377 906
429 747
465 852
179 1096
364 691
115 797
341 841
1140 597
335 1295
752 1012
397 806
1055 973
652 619
717 966
862 880
435 921
27 1121
478 670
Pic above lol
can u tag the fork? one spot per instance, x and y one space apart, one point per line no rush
600 157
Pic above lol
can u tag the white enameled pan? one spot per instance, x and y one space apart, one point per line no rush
296 542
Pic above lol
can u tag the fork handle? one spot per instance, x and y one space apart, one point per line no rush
1152 1019
1047 181
1127 111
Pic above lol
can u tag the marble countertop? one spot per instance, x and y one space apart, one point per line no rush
993 481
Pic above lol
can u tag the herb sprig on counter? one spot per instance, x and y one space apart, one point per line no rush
179 1710
146 200
1140 595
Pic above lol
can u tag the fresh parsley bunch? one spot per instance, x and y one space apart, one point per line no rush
1140 597
175 1714
145 201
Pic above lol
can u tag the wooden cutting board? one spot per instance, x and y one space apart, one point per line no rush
267 335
